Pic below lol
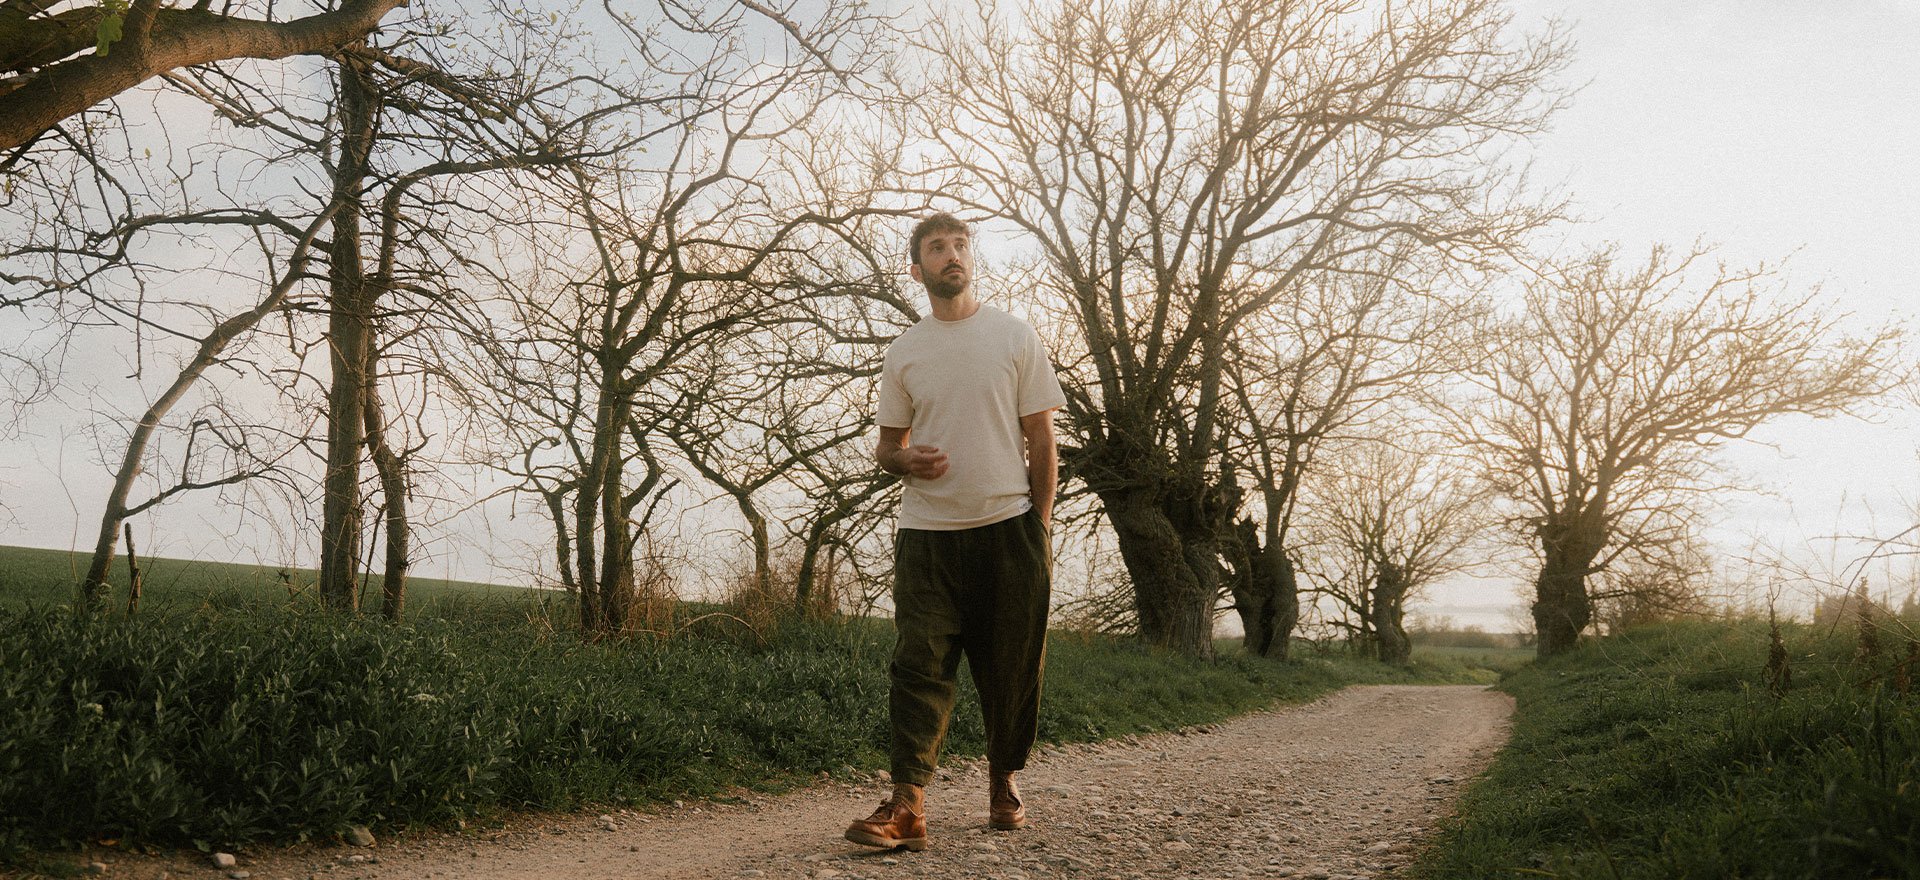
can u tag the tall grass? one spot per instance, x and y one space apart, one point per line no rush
1662 753
227 723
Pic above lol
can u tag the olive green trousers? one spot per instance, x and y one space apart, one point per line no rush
982 592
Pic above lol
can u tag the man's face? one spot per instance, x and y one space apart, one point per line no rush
946 264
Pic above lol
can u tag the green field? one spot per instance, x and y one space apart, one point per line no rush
33 576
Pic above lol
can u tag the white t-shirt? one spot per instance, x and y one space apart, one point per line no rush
962 386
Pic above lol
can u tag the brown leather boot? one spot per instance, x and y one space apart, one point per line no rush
1005 812
892 826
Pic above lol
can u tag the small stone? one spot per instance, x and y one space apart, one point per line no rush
884 777
753 872
239 875
1178 846
1380 849
1233 812
223 861
679 805
889 860
825 874
355 859
358 835
1179 812
95 868
1441 780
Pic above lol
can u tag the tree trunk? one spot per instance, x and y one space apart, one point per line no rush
562 543
1388 613
350 331
1175 575
762 542
1277 569
809 566
393 487
1265 592
1561 608
616 546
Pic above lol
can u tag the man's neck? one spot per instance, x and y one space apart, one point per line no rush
958 308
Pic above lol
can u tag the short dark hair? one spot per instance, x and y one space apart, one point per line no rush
941 222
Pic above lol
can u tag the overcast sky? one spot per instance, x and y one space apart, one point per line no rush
1776 130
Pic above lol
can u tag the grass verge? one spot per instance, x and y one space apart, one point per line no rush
1661 753
230 722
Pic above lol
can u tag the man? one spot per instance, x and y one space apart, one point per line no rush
966 419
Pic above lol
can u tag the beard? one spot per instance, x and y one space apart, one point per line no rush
945 286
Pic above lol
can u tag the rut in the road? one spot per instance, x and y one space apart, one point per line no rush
1342 787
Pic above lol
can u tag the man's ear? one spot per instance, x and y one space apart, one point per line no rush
914 271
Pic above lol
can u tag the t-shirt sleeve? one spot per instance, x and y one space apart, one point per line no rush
896 408
1039 387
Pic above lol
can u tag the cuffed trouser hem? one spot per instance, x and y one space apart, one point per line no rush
921 778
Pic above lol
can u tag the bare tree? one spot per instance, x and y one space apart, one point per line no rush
209 353
1185 167
99 225
1391 518
58 59
1321 367
415 135
439 125
701 228
1606 395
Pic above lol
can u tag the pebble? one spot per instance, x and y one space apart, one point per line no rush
94 868
239 875
358 835
223 861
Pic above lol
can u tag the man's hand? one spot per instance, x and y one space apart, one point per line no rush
896 457
922 462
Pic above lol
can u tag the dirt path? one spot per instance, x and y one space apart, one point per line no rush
1344 787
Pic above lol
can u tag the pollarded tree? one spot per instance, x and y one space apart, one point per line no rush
1321 368
1184 167
1607 393
1391 517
